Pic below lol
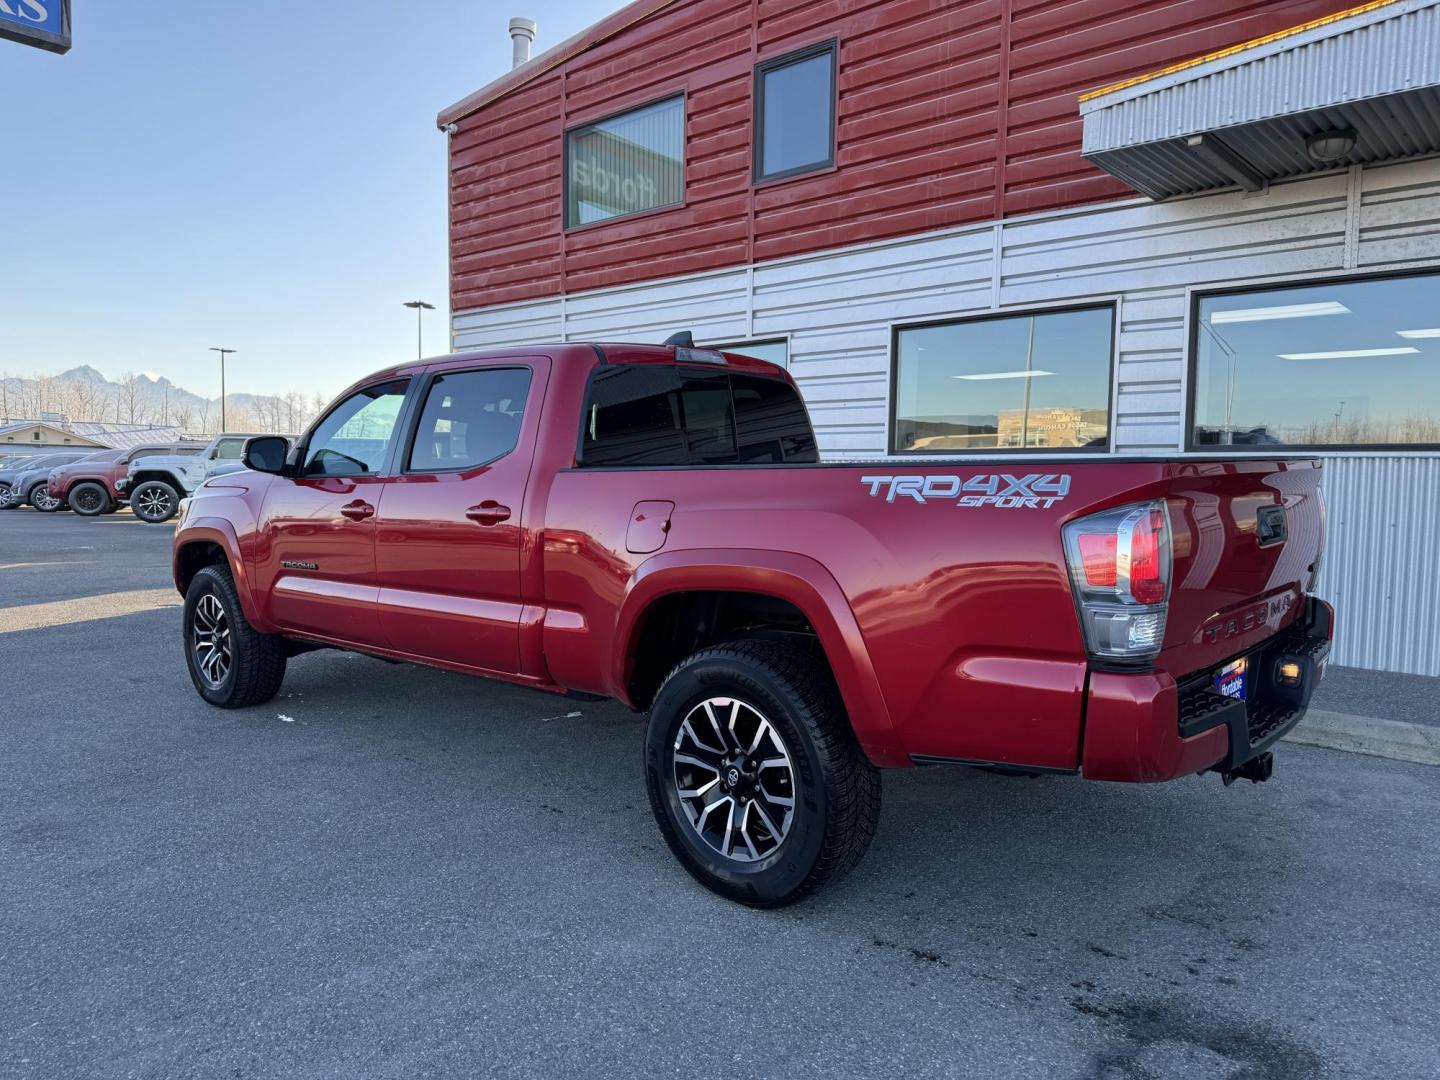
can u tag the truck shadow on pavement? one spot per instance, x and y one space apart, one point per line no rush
1103 896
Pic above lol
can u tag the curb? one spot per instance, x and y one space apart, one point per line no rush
1392 739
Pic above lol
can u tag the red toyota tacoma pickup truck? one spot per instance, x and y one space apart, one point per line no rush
651 523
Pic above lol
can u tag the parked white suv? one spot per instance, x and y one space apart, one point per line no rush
155 485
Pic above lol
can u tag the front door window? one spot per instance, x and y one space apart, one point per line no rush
354 439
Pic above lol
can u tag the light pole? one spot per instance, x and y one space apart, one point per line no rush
223 353
420 307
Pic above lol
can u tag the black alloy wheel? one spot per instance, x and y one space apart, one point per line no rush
89 499
755 776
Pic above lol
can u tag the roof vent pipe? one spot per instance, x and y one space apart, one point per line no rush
522 33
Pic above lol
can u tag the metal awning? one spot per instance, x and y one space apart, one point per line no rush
1358 87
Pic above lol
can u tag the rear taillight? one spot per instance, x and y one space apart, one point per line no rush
1119 564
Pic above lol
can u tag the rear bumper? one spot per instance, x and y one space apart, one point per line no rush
1145 727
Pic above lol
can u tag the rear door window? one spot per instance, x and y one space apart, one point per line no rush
470 419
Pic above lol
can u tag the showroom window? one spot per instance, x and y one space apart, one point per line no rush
626 164
795 113
1035 381
1345 364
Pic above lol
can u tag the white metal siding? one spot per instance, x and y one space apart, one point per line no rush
838 307
1381 569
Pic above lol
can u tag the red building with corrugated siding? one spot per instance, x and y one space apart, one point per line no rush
947 114
1017 226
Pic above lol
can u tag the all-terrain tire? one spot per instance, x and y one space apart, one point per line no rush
255 665
90 499
835 788
154 501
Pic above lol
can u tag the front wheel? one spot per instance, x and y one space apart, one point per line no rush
42 500
231 664
89 499
754 773
5 497
154 501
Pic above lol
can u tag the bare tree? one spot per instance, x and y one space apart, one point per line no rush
294 412
239 418
129 400
183 414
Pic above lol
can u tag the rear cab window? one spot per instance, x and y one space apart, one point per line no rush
644 416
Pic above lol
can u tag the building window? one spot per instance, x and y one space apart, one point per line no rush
1347 364
777 352
627 164
795 113
1005 382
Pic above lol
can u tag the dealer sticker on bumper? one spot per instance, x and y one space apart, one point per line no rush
1230 680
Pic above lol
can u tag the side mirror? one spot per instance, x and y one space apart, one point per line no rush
266 453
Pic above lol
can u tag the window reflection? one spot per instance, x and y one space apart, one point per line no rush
776 352
796 97
1011 382
1353 363
626 164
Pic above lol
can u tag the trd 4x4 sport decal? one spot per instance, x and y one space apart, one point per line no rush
1033 491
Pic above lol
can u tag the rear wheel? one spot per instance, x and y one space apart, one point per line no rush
90 499
231 664
154 501
755 776
42 500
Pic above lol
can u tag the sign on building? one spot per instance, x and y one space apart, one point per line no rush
44 24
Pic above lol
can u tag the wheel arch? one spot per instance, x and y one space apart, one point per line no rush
144 476
212 542
782 582
97 481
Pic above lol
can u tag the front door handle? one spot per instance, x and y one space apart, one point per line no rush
488 512
358 510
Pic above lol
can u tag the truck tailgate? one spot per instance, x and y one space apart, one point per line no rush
1247 536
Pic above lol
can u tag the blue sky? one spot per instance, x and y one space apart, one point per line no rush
260 176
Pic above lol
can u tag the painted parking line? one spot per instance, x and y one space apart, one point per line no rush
57 562
86 609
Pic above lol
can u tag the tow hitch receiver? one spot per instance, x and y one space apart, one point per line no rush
1257 770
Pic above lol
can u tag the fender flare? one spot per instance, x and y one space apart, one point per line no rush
218 531
794 578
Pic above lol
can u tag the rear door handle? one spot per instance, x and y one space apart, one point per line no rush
488 512
358 510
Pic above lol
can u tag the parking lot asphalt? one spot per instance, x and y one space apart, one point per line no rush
393 871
